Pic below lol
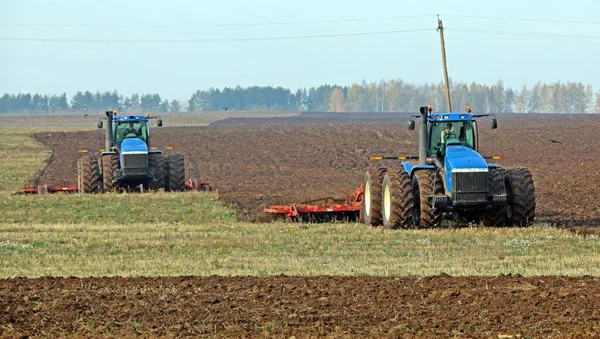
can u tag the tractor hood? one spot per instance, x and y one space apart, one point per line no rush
133 145
458 156
462 159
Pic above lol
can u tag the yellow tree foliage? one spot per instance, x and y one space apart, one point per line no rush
336 100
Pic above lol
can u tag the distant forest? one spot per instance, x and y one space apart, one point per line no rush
384 96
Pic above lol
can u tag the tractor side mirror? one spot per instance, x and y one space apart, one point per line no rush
411 125
159 122
423 109
100 124
494 123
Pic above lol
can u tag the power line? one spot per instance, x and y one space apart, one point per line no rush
213 40
280 23
535 34
305 22
522 19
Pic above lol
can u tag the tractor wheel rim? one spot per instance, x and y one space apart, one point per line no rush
387 203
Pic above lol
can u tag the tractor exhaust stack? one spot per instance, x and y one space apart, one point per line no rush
108 139
423 144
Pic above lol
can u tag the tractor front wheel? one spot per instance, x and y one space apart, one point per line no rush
371 204
496 186
397 200
425 214
156 164
110 163
176 170
89 175
521 197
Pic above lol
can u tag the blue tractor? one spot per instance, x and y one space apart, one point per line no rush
450 181
128 162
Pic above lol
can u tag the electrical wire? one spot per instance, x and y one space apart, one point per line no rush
534 34
309 22
127 41
522 19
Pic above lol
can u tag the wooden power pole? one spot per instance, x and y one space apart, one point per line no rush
441 29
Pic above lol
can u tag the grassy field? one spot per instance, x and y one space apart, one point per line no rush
192 234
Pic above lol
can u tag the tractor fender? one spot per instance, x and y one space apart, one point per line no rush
412 169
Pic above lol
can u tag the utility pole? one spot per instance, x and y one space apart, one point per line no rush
441 29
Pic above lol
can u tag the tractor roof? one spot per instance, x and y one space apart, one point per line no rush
435 117
130 118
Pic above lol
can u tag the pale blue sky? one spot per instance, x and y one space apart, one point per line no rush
176 70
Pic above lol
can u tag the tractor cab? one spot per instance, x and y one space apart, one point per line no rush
447 129
127 127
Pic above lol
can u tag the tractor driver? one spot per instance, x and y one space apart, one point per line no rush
447 132
131 132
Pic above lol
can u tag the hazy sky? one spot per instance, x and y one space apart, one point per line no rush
177 69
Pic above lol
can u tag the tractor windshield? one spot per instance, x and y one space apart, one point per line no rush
443 131
131 129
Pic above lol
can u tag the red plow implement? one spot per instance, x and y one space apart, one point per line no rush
44 189
328 209
190 185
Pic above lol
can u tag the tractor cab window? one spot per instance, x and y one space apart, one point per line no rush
131 129
450 131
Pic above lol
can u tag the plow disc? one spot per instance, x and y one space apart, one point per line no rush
328 209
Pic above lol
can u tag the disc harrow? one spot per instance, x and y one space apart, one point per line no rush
327 209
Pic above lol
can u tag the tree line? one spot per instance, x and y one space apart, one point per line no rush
399 96
83 102
394 95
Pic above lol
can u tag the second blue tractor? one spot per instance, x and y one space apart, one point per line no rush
451 180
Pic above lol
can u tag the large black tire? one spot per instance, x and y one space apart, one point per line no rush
397 201
89 176
425 215
176 172
521 197
110 163
371 204
156 164
496 186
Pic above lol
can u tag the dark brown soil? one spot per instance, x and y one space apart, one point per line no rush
263 161
302 307
256 162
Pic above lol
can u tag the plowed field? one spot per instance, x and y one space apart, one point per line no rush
253 162
500 307
256 162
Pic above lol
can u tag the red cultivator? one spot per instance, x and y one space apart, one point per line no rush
193 185
190 185
328 209
44 189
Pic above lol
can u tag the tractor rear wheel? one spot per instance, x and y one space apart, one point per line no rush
397 200
176 170
371 204
521 197
89 175
156 164
110 163
496 186
425 214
